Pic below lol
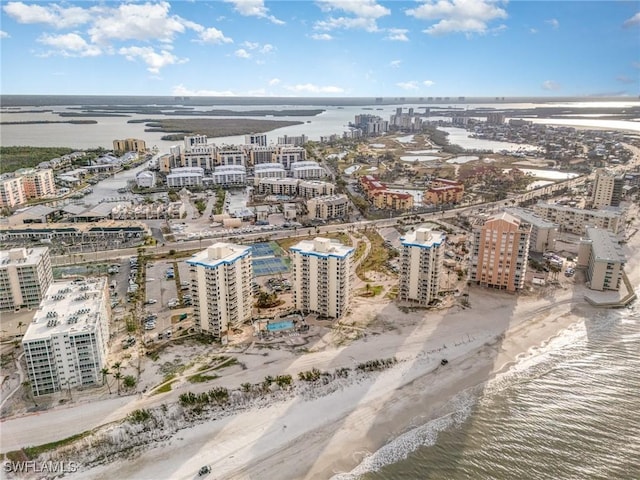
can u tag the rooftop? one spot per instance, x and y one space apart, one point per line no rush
605 246
22 256
322 247
219 254
68 307
423 238
530 217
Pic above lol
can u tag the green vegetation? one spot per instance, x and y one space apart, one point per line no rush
219 395
213 127
268 300
200 205
173 196
378 256
165 387
219 205
139 416
371 291
310 375
374 365
13 158
200 378
129 381
34 452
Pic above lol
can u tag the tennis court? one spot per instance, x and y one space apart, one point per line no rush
269 266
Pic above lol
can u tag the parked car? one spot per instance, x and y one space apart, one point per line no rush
205 470
151 301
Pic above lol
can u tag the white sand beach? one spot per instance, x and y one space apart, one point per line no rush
315 438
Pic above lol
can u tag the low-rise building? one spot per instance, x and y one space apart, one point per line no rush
66 344
146 179
185 177
543 232
601 254
268 170
314 188
389 200
576 220
229 175
278 186
307 169
328 207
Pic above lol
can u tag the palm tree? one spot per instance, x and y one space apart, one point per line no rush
20 326
105 372
118 376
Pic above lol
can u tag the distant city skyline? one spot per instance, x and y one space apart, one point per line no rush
321 48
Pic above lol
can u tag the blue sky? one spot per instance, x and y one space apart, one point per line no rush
321 48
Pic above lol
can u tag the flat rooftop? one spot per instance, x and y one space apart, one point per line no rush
68 307
322 247
605 245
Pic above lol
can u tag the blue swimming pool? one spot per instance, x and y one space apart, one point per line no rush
277 326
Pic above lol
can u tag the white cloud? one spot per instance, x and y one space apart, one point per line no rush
626 79
361 8
69 45
242 53
428 83
533 30
555 24
273 82
4 34
550 85
52 14
365 13
266 48
311 88
254 8
154 60
632 22
466 16
139 22
410 85
182 91
397 34
395 63
321 36
213 35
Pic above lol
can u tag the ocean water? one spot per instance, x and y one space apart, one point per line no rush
569 410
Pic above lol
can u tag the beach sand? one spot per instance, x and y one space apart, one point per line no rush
325 431
316 438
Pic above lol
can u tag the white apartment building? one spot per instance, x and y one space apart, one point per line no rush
421 265
25 275
322 276
146 179
65 346
500 252
221 279
37 183
185 177
256 139
232 156
289 154
543 232
328 206
576 220
229 175
307 169
195 141
601 254
314 188
278 186
297 141
268 170
607 189
12 192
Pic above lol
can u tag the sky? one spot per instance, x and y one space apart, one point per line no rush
333 48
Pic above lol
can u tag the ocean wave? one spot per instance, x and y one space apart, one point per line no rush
423 435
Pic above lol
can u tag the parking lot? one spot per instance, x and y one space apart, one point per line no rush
162 290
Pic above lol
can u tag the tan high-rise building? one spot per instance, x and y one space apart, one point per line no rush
499 252
221 279
607 189
322 276
12 192
421 265
25 275
129 145
38 183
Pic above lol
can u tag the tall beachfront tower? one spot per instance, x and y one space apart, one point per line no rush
25 275
499 252
322 276
66 344
421 265
607 189
221 279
